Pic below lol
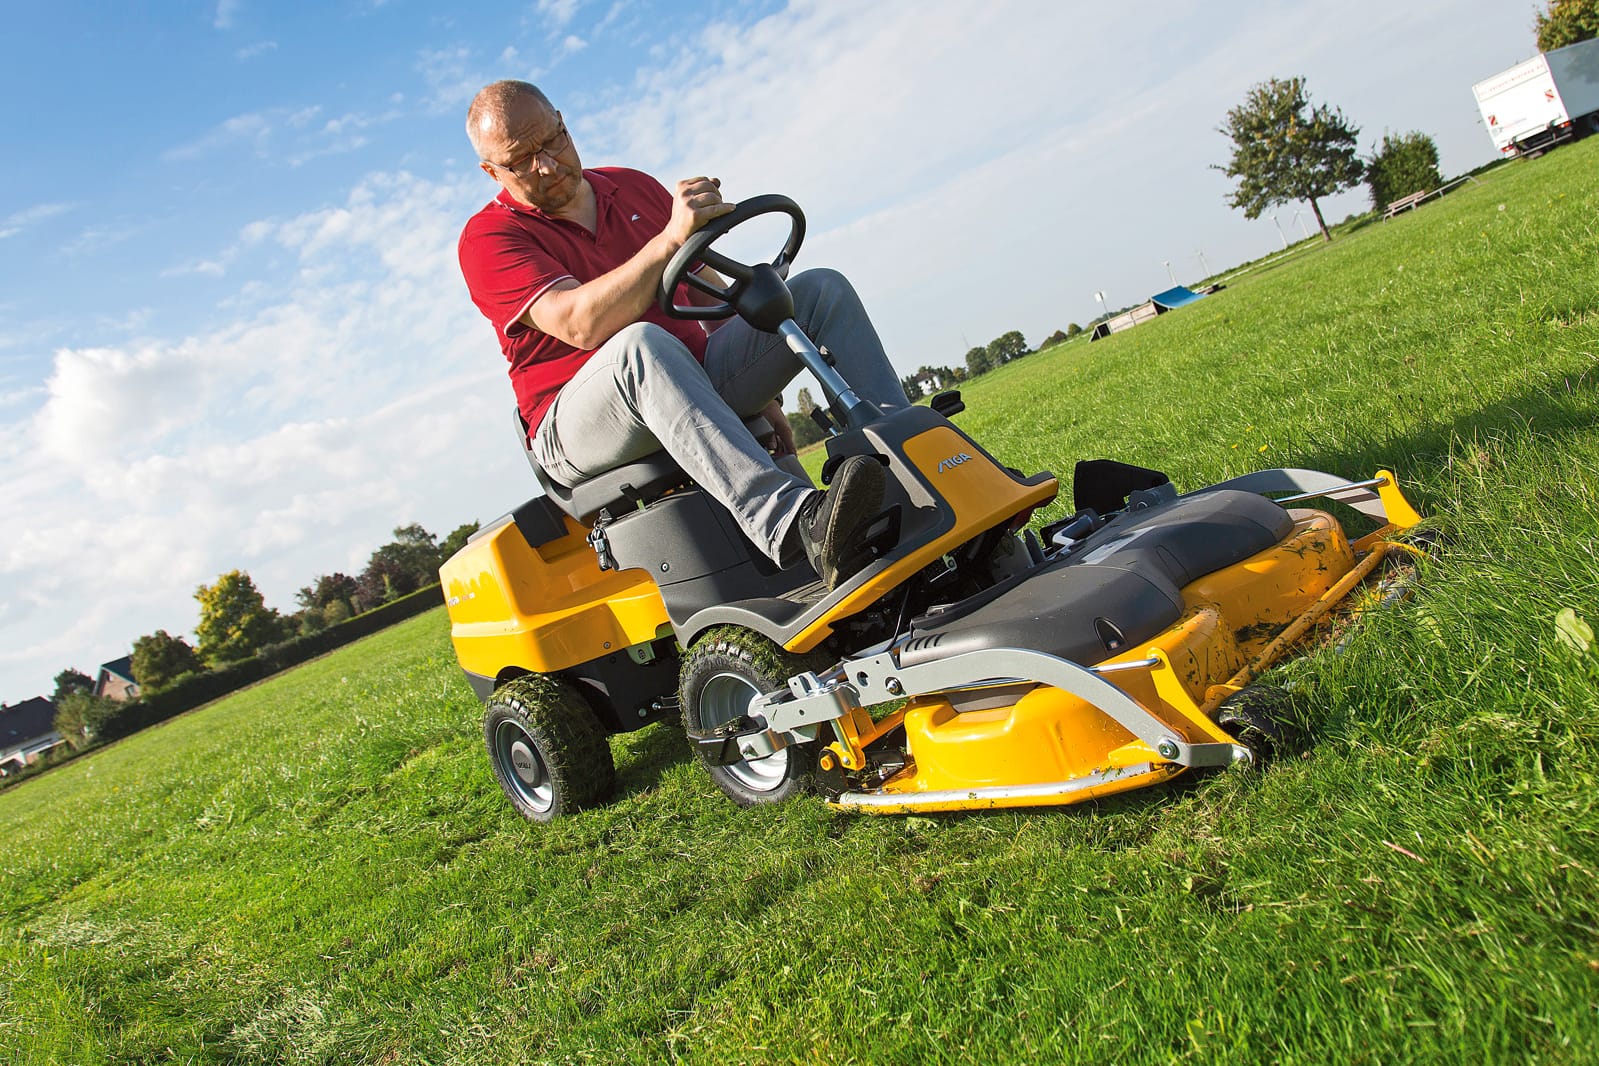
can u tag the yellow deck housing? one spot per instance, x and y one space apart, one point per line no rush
543 609
1047 735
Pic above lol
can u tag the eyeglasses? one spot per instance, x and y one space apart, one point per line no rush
559 142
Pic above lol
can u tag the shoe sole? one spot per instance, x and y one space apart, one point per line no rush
859 488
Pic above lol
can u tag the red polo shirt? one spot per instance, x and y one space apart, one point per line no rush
511 253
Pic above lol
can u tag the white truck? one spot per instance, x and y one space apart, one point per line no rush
1552 97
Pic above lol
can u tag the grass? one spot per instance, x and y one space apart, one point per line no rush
321 870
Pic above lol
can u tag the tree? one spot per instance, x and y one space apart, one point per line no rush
69 681
1072 330
405 564
978 361
327 588
1058 337
1567 22
1284 152
1007 346
80 715
160 659
235 621
1402 165
456 540
806 431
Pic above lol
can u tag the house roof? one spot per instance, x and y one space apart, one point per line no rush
122 668
28 720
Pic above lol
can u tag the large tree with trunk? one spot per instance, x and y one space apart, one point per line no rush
1285 150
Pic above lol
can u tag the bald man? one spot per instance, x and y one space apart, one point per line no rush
565 263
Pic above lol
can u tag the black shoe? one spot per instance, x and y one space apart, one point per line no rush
831 523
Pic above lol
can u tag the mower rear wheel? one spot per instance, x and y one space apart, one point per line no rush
548 751
722 674
1264 719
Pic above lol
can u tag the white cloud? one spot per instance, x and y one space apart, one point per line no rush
225 12
257 49
558 13
290 443
293 137
572 44
452 77
252 130
18 221
211 268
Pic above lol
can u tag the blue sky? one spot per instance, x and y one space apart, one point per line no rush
233 333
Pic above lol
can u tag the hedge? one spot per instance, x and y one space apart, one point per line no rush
191 691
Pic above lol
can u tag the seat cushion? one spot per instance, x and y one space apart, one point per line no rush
626 487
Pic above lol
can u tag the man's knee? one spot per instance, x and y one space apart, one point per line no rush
644 347
647 337
822 280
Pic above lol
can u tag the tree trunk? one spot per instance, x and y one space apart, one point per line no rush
1315 209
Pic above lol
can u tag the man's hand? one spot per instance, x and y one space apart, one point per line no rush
698 200
783 444
589 314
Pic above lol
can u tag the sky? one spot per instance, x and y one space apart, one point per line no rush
233 332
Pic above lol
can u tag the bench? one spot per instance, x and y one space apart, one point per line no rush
1405 203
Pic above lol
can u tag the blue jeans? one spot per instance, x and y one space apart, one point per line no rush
643 391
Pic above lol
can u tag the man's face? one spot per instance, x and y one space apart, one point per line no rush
531 154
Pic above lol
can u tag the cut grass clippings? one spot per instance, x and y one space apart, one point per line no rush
322 870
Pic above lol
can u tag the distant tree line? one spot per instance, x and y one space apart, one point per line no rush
236 625
927 380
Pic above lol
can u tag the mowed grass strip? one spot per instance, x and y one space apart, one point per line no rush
321 869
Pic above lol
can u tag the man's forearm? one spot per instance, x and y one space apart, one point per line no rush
589 314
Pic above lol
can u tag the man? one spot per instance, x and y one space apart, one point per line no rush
565 262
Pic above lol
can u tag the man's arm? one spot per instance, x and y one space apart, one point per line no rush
587 315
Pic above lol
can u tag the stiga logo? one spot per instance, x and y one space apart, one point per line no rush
953 461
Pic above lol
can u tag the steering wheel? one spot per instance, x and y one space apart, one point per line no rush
698 250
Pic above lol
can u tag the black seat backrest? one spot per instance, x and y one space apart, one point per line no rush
624 488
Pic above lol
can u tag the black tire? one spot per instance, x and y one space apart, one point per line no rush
726 669
1266 720
549 752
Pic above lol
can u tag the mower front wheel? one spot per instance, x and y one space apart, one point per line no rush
547 749
722 674
1264 719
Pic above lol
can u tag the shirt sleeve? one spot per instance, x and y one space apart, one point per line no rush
505 270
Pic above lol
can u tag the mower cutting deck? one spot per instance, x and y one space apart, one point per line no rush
1111 650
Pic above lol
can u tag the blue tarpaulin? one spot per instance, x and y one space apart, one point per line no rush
1171 299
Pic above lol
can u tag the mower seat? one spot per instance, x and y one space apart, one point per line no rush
624 488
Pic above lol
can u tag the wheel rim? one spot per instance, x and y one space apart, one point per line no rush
526 772
724 698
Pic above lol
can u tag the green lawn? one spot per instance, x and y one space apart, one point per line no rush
321 870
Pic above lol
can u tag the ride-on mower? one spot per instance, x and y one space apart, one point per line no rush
970 663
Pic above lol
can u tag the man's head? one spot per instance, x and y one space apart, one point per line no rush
523 144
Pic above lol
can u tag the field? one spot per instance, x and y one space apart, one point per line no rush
320 869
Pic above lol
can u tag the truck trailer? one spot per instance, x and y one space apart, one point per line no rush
1542 101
